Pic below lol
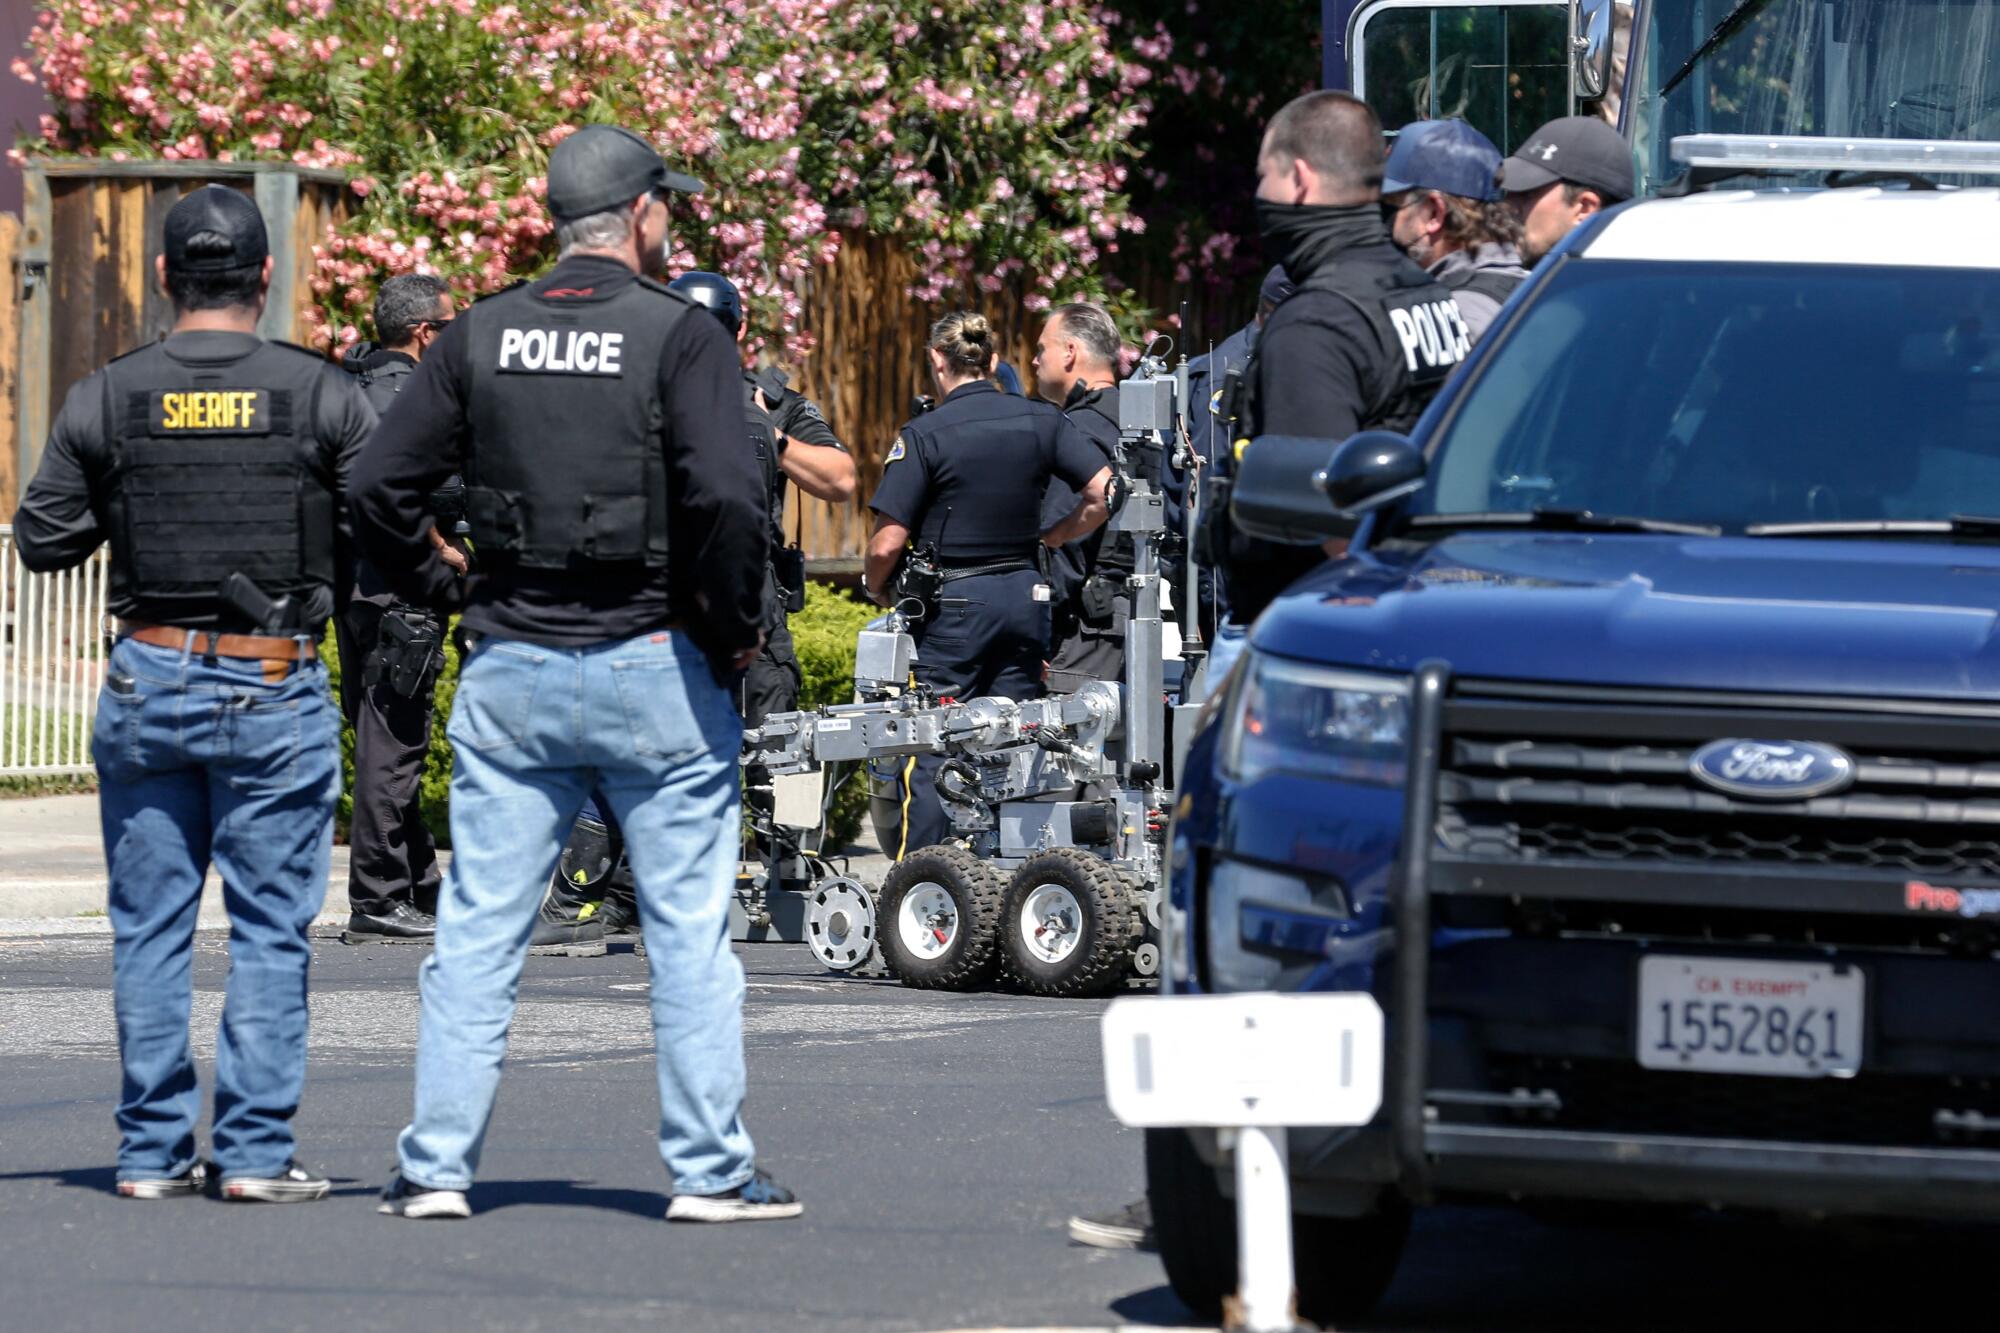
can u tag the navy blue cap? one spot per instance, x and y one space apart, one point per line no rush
1444 155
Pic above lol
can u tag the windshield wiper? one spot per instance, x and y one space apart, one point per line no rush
1958 525
1549 519
1731 22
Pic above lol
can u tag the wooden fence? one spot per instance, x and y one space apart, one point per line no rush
76 289
868 362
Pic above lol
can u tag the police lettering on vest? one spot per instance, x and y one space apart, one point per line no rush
1433 334
562 351
571 473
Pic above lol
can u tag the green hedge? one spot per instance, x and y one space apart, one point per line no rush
824 634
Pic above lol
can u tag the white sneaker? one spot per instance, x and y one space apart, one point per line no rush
402 1199
758 1199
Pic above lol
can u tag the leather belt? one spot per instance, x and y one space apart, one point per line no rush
255 647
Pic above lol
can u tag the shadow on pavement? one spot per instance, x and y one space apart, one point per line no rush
102 1179
1157 1307
493 1195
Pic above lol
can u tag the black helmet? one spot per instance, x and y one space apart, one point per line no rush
716 292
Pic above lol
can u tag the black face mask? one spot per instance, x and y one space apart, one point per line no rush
1305 237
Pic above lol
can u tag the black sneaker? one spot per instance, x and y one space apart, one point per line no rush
402 1199
401 924
194 1180
294 1184
758 1199
1130 1228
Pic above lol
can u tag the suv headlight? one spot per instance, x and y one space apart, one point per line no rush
1294 717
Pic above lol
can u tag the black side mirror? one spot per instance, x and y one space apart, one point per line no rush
1370 470
1272 496
1301 491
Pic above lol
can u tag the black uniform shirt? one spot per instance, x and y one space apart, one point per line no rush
1094 412
62 518
970 475
796 417
715 579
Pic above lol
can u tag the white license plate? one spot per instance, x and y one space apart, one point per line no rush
1743 1016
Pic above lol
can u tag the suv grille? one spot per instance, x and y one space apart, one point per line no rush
1586 781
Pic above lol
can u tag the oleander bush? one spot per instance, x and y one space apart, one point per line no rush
992 134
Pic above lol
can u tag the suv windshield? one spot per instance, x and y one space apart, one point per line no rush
1893 69
1734 395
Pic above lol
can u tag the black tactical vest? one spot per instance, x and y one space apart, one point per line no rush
1421 335
1421 330
1492 283
214 477
567 468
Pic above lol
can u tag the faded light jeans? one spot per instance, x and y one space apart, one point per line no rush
201 762
533 731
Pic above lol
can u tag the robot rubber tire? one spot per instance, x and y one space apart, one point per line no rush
1068 925
937 918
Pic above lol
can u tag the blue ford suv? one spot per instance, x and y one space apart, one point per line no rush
1657 702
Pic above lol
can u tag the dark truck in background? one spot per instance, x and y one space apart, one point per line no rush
1658 69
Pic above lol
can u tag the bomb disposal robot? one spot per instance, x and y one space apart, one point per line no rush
1058 805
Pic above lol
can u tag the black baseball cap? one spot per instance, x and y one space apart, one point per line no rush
603 166
226 213
1582 150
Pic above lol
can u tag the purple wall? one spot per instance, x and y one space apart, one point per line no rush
21 104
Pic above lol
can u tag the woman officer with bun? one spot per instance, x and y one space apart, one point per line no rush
965 482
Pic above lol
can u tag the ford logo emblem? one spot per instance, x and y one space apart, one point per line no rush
1773 770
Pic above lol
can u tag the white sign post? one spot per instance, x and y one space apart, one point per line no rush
1254 1064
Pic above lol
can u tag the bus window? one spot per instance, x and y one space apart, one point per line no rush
1499 66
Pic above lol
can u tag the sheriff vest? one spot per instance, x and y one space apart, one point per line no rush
239 410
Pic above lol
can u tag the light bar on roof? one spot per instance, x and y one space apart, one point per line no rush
1801 152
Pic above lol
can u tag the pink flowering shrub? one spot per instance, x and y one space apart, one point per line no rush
993 136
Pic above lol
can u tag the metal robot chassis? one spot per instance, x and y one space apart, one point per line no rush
1059 806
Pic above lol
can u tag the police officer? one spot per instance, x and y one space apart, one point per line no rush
591 896
1076 367
212 461
1364 342
619 525
1445 212
964 484
392 877
795 444
1568 170
1210 432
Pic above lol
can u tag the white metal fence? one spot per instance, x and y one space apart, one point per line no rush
51 663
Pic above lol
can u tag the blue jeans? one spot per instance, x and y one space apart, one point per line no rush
201 762
533 731
1228 645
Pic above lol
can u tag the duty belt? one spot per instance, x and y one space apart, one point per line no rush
275 653
954 573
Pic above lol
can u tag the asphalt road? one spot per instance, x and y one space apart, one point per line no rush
939 1142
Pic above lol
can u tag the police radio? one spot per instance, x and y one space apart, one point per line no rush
919 580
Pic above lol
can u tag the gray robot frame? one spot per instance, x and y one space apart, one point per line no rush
1071 789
